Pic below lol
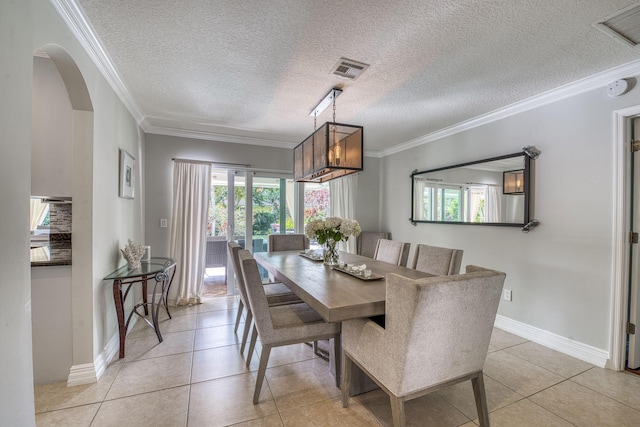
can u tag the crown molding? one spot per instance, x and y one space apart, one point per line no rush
75 19
572 89
77 23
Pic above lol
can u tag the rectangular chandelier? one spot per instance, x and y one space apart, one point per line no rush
332 151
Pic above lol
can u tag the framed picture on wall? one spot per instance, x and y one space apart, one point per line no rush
127 174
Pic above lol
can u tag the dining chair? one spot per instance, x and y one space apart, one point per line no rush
392 252
437 334
276 292
291 242
281 324
437 261
287 242
367 241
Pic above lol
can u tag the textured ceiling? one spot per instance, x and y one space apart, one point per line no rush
252 70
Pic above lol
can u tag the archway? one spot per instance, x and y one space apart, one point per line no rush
83 369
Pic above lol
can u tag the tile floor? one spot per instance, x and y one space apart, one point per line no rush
196 377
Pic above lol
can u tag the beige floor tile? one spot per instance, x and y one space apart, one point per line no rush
461 396
227 401
551 360
219 303
151 375
217 336
521 376
80 416
209 319
286 354
165 408
268 421
430 410
185 322
298 384
329 413
50 397
502 339
219 362
584 407
149 346
621 386
525 414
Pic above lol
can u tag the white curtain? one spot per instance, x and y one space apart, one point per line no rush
342 193
38 212
191 190
493 204
418 199
290 196
476 194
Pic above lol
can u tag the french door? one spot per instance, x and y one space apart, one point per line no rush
633 355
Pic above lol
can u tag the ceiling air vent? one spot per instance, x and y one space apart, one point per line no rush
623 25
349 69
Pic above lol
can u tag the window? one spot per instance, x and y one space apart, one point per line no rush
317 201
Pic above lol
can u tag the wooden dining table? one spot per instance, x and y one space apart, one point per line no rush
335 295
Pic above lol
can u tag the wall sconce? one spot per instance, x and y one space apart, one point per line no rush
513 182
333 150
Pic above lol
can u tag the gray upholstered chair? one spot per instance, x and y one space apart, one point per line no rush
392 252
437 334
282 324
437 261
367 241
277 293
287 242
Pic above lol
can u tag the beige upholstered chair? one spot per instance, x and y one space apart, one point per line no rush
437 334
276 292
282 324
437 261
367 241
287 242
392 252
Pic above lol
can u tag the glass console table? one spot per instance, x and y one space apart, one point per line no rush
161 270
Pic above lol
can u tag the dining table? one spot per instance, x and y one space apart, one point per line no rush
335 294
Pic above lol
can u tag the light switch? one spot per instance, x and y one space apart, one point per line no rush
163 222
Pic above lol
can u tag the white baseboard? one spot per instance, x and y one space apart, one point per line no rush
82 374
572 348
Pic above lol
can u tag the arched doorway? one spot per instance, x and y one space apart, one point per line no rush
81 132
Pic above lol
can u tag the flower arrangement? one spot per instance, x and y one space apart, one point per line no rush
133 253
332 228
329 232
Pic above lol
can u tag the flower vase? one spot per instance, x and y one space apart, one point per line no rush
330 252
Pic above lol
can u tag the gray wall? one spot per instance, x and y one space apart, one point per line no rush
160 149
561 272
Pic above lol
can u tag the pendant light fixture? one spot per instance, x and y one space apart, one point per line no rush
331 151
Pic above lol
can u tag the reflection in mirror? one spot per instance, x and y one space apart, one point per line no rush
492 191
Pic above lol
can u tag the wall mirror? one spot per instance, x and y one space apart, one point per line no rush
494 191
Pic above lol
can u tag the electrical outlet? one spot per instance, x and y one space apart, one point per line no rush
507 294
163 223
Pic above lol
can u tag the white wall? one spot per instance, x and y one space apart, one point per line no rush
106 221
51 173
160 149
16 62
561 272
51 139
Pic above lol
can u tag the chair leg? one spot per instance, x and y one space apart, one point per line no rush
346 379
252 344
337 358
481 400
245 333
262 369
397 411
238 317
